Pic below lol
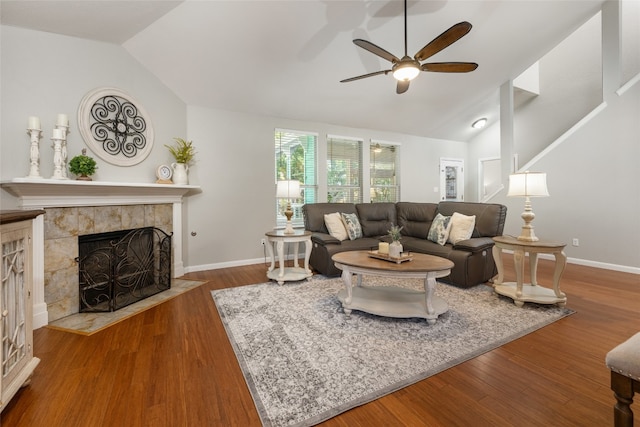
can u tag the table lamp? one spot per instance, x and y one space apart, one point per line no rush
289 189
527 185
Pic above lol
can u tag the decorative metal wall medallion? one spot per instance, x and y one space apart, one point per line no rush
115 126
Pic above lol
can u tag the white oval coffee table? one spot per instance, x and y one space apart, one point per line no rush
392 301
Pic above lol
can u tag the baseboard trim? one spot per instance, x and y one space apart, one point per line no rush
40 315
578 261
604 265
590 263
226 264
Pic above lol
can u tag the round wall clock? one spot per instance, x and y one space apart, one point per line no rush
115 126
164 174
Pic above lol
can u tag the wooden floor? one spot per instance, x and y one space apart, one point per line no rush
173 366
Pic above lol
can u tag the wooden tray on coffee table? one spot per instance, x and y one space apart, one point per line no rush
405 256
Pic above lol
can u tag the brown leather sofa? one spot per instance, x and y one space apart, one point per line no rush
472 258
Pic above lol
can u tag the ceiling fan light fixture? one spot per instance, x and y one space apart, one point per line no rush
406 71
480 123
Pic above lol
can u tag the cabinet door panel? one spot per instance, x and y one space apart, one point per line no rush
15 350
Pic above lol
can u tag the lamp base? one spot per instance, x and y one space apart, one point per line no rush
528 216
289 228
527 234
288 213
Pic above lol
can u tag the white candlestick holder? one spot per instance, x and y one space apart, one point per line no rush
63 150
34 152
57 159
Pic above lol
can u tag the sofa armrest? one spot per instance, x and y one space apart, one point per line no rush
323 239
475 244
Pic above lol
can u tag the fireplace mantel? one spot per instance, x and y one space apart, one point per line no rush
50 193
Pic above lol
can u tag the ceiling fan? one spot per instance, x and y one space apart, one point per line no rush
406 69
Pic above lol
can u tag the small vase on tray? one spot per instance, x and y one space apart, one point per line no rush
395 249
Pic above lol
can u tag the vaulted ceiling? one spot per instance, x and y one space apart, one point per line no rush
286 58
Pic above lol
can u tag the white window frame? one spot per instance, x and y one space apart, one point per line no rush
308 190
355 191
396 169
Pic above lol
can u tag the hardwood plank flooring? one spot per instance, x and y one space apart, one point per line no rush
172 365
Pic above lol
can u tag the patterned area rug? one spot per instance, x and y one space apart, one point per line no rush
305 362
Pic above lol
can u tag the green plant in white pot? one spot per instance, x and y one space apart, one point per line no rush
183 152
83 166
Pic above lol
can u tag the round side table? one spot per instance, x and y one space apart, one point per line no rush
278 238
529 292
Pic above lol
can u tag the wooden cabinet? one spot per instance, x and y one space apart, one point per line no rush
16 305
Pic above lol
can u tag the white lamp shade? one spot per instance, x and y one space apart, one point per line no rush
528 184
289 189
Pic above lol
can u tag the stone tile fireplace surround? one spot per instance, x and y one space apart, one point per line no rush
74 208
62 226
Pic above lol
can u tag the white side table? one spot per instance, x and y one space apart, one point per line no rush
529 292
277 238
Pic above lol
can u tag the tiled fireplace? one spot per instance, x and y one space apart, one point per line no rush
74 208
62 226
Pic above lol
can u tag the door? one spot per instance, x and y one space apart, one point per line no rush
452 180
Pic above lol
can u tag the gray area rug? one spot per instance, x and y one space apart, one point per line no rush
305 362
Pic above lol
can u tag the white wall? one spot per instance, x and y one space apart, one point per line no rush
235 171
593 176
630 44
570 87
594 186
44 74
592 172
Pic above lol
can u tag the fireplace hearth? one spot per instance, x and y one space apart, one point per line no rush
118 268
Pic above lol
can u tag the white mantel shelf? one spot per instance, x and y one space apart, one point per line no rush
49 193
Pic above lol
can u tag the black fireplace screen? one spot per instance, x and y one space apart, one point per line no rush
121 267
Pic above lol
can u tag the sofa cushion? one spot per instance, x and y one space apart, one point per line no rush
415 218
461 227
314 213
440 227
334 224
424 246
376 218
352 224
490 217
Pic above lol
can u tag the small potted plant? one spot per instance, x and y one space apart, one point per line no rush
395 247
183 152
83 166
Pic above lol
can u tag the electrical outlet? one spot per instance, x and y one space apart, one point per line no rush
576 242
262 241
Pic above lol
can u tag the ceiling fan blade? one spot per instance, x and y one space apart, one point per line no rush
364 76
450 36
403 86
449 67
376 50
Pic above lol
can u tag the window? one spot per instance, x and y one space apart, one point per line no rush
383 172
344 171
295 158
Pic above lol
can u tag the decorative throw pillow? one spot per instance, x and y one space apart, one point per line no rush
439 231
461 227
336 226
352 224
